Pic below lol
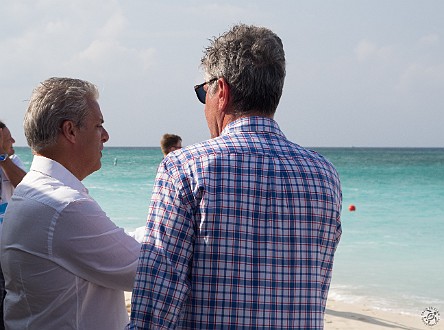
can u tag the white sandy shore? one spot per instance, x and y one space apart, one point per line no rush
344 316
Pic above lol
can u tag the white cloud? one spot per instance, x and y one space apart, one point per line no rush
367 50
217 10
111 52
114 26
98 50
109 49
430 40
54 27
418 77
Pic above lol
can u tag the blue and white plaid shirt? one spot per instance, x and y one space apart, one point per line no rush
241 234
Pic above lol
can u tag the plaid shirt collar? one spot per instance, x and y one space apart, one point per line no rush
253 124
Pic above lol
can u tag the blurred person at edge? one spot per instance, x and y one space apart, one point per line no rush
12 172
12 169
66 264
242 228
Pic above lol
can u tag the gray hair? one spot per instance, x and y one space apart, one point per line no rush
53 102
252 61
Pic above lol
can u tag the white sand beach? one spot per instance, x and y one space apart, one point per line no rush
345 316
348 316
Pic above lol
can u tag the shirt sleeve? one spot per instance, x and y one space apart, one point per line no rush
163 277
87 243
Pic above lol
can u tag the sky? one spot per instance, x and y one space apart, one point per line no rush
359 73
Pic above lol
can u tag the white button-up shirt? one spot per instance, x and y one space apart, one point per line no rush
6 187
66 264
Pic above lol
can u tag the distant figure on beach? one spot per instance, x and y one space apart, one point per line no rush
242 228
12 172
66 264
170 142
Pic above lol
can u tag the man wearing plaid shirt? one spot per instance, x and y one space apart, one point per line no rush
242 228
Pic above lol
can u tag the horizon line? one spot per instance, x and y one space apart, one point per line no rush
330 147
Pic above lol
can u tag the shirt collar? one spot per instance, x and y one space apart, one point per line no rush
253 124
57 171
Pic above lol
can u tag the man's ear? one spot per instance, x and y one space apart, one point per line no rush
69 131
223 94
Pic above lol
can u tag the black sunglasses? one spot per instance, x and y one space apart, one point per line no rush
201 92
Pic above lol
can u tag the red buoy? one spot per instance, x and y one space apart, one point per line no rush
351 208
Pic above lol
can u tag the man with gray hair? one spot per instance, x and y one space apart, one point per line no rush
242 228
66 264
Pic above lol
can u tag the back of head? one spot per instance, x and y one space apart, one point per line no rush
168 141
252 61
2 124
53 102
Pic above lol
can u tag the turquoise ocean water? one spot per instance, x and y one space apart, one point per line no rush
391 252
